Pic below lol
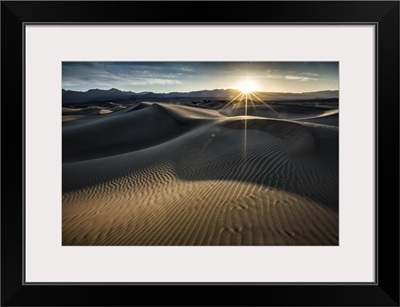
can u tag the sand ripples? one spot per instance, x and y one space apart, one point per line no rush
203 186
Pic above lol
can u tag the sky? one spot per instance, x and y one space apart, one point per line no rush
165 77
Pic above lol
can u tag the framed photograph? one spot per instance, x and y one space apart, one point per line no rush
153 148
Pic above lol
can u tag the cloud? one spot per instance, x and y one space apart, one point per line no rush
293 75
153 81
300 78
99 74
187 69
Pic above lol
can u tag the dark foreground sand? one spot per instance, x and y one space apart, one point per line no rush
165 174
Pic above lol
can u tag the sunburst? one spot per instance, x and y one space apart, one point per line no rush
246 97
248 89
247 86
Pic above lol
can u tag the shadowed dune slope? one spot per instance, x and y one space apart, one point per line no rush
127 132
166 174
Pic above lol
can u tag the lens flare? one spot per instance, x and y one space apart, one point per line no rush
247 97
247 86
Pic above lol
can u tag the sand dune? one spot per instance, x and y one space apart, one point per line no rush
165 174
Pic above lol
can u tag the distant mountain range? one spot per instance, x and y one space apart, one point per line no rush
96 95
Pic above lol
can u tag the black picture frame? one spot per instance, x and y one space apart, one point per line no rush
383 14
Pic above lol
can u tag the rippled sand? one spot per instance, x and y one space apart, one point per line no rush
165 174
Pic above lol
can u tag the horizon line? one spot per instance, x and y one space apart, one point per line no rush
223 89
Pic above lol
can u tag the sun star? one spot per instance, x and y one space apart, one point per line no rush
248 97
247 86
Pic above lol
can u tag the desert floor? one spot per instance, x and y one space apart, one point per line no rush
168 174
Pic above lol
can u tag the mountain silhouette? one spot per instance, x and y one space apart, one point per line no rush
98 95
